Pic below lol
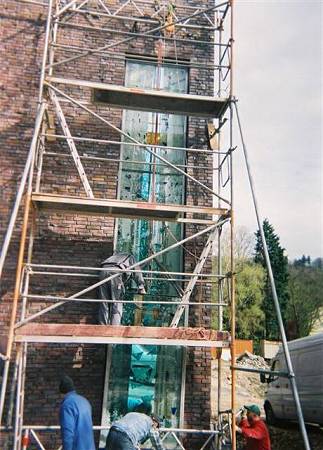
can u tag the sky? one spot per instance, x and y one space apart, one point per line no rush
278 82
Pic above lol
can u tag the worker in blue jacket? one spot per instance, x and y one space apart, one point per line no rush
75 417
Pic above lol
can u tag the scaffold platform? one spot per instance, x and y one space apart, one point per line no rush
124 208
150 100
109 334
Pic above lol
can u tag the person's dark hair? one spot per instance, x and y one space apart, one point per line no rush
66 384
144 408
156 419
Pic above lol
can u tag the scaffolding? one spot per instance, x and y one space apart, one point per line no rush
165 36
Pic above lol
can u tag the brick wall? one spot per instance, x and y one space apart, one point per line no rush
80 240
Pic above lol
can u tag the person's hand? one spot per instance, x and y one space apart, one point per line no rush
142 290
240 417
238 430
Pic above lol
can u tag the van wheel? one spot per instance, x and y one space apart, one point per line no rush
270 416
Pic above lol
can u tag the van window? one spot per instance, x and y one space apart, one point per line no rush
275 366
308 360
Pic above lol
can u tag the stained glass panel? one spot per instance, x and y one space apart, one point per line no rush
150 374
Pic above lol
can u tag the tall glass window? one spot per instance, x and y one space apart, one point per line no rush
150 374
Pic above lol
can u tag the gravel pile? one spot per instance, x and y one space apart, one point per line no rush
248 359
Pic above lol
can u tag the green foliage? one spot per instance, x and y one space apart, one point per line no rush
306 297
279 264
304 261
318 263
299 288
250 282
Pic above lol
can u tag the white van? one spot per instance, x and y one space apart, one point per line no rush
307 360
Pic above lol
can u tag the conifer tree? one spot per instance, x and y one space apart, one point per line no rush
279 263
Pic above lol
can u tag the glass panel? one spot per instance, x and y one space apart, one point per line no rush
150 375
160 183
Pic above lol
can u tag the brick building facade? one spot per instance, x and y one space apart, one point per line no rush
75 239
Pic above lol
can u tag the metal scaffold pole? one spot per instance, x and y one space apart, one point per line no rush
232 262
19 266
28 172
233 304
273 289
58 106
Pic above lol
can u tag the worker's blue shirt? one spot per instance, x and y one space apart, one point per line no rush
138 427
75 417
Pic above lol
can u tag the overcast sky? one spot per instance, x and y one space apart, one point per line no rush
278 81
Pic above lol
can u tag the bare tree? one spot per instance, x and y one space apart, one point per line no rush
243 244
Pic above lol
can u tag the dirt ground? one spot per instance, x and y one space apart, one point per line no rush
250 390
289 437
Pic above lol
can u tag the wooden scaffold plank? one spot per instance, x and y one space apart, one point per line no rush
150 100
123 208
104 334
